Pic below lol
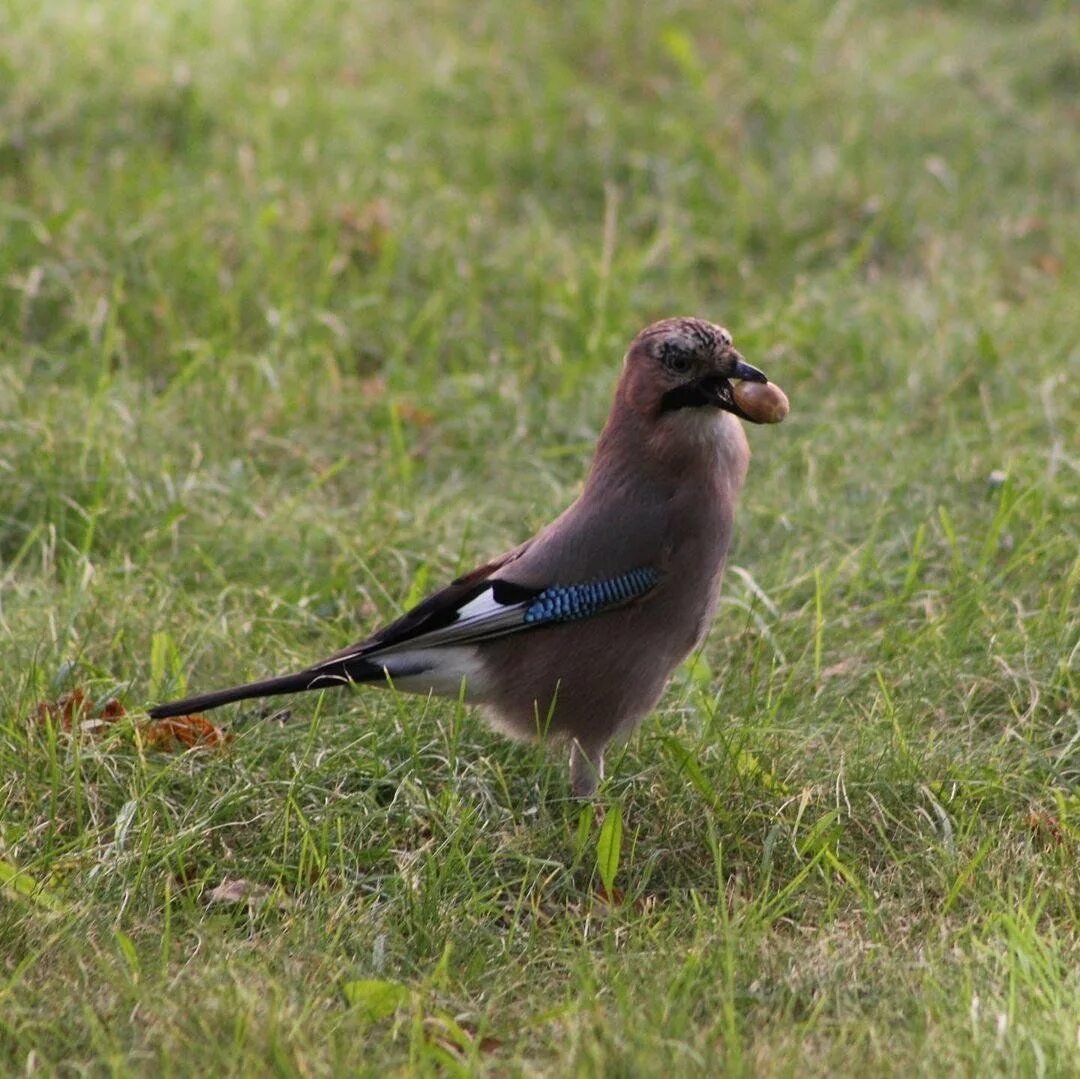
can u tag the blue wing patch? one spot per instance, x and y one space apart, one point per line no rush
567 603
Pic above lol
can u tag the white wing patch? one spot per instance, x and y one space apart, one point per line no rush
482 616
480 607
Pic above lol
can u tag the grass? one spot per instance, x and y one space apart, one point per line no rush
306 307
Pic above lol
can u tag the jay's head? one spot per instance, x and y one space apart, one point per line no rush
684 364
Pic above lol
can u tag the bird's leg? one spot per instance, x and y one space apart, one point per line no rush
586 769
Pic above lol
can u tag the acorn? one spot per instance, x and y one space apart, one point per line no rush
761 402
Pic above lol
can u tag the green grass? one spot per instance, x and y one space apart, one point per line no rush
306 307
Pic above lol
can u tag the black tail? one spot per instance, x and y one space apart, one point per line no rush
322 678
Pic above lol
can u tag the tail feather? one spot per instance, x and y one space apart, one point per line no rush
321 678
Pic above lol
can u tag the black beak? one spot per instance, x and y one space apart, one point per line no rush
745 372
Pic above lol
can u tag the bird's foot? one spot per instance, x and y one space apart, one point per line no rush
586 769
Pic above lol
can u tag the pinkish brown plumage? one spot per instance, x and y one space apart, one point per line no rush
574 634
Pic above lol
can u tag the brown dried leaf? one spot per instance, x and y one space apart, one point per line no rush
486 1044
238 891
188 731
113 710
364 231
373 389
410 413
845 666
457 1037
612 900
75 710
1050 265
1027 225
71 709
606 904
1047 825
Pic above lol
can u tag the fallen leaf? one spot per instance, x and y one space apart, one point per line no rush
376 998
189 731
238 891
66 712
75 710
27 888
411 413
364 232
1050 265
113 710
605 903
845 666
486 1044
1027 225
457 1038
373 388
1043 823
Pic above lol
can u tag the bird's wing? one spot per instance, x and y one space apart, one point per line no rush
481 605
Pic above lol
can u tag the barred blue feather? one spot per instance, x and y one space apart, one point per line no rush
568 603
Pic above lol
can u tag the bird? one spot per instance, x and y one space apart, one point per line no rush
572 635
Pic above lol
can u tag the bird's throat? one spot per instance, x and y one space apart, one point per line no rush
688 395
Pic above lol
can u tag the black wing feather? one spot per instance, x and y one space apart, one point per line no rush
441 608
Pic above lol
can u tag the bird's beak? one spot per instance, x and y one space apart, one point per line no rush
721 392
745 372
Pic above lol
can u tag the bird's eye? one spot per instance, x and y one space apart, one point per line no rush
676 359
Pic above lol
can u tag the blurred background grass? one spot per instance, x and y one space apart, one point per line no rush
305 307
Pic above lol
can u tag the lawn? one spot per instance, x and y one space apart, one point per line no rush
307 307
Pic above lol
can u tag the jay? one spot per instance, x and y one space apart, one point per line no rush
574 633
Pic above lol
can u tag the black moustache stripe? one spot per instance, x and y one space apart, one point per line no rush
688 395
